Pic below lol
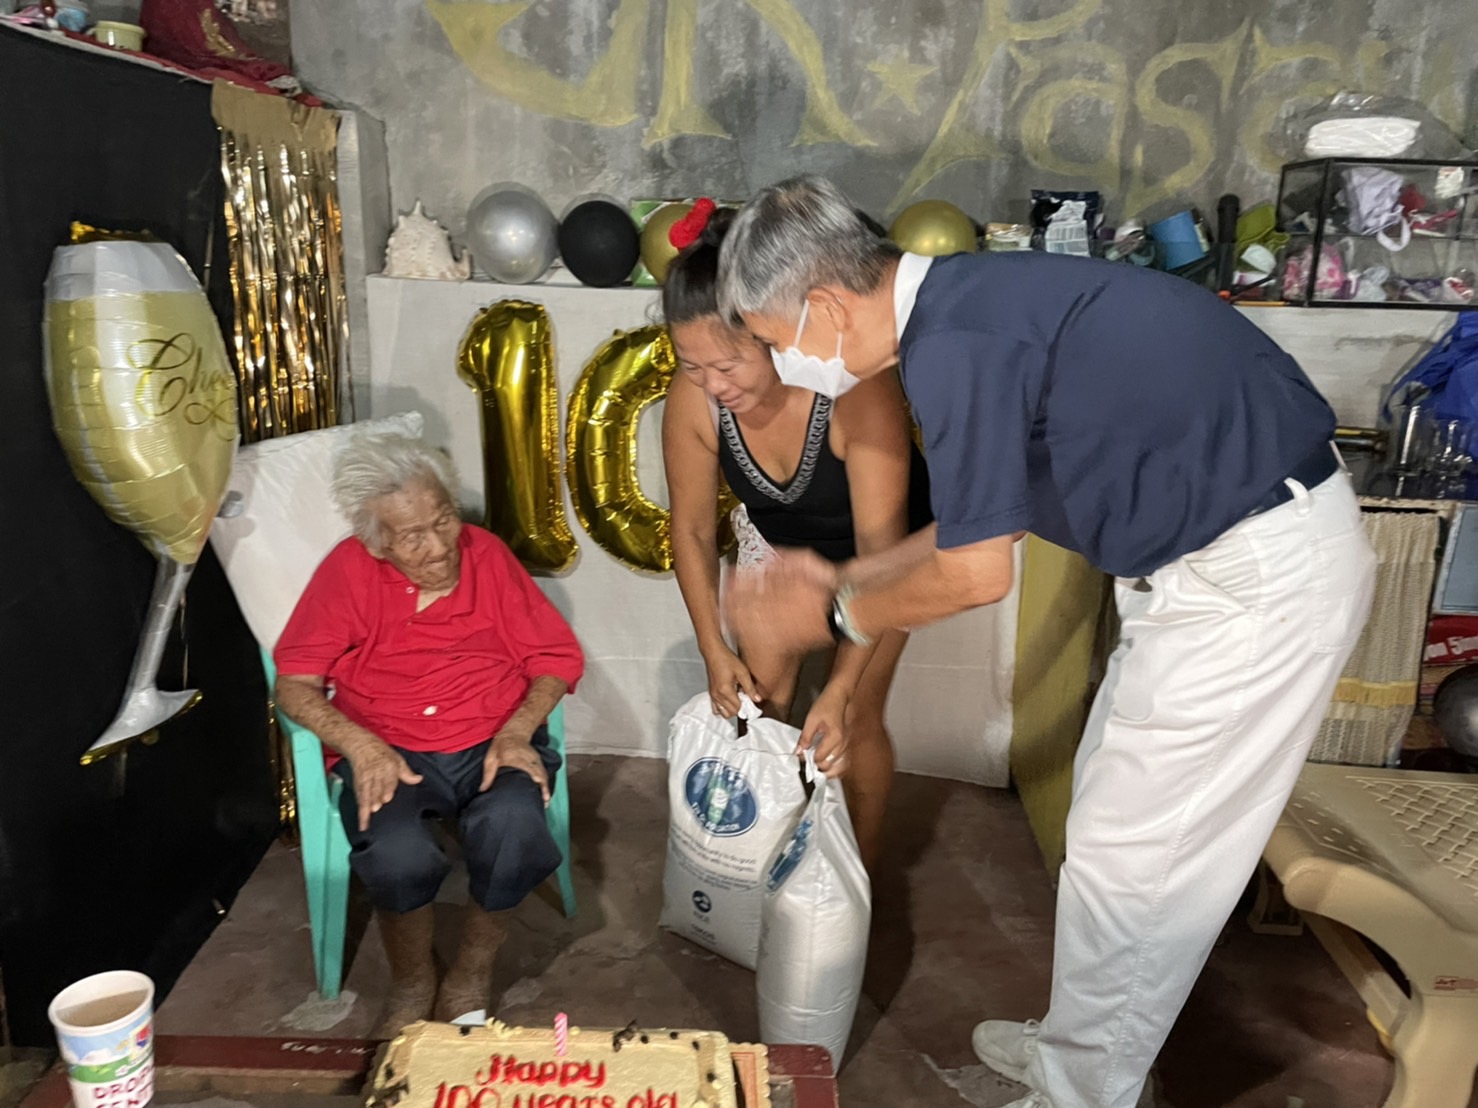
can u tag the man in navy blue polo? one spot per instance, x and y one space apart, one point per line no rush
1140 421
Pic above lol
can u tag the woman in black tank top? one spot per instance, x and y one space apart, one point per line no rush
835 476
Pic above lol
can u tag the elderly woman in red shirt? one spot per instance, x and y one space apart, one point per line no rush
427 660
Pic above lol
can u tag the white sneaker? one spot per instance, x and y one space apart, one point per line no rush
1008 1048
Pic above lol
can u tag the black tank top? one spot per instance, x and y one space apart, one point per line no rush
814 508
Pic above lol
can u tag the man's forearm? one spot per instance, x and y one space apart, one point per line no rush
307 704
930 591
873 571
544 693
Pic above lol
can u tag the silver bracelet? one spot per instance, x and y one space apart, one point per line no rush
841 609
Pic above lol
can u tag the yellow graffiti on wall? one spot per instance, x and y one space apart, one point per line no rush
1056 74
607 95
1221 58
1040 115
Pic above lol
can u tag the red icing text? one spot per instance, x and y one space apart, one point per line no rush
576 1077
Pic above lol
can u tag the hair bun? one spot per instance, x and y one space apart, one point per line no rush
717 227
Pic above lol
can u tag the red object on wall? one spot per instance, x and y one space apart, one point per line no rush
1451 640
193 34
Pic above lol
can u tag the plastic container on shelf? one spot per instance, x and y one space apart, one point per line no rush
1380 232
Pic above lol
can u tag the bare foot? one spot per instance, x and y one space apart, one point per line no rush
405 1005
460 995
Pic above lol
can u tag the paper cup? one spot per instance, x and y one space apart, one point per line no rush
105 1029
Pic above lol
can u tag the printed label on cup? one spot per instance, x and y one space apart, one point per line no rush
105 1030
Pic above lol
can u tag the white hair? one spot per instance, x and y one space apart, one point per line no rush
376 465
791 238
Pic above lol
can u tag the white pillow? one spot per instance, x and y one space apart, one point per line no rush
288 522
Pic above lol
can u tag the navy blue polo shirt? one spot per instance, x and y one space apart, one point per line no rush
1122 413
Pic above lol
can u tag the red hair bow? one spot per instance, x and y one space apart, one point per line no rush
689 229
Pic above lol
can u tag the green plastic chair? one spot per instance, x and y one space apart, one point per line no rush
325 847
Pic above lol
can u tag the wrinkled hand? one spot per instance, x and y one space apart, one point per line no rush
378 771
727 674
515 751
825 732
786 604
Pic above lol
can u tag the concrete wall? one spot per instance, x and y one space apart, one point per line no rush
1156 102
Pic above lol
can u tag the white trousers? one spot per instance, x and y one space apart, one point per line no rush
1226 662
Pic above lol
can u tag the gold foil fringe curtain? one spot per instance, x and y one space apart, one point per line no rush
291 341
279 159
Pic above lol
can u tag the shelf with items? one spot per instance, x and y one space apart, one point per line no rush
1380 232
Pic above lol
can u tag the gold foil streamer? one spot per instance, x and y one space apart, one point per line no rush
287 270
279 160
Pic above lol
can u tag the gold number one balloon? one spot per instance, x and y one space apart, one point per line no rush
507 356
144 403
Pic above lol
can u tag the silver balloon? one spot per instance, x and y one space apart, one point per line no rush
512 235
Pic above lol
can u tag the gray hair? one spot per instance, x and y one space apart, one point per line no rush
794 237
374 465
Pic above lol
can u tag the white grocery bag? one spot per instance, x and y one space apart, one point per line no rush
814 925
732 800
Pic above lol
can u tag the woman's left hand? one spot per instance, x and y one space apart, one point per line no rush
825 731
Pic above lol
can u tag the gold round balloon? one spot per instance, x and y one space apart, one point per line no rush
934 228
142 394
657 250
627 374
507 355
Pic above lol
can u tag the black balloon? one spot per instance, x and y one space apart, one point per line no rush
599 243
1456 709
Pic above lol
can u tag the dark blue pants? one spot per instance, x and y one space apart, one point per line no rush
505 839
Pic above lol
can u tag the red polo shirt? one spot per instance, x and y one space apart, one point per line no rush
439 680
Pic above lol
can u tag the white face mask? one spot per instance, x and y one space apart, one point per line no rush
828 376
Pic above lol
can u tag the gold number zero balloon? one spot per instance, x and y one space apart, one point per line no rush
934 228
626 375
507 355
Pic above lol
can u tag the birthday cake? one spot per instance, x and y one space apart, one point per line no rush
440 1065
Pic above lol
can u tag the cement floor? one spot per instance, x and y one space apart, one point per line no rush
962 931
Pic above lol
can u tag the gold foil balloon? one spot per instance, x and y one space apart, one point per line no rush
657 250
628 373
507 356
934 228
144 402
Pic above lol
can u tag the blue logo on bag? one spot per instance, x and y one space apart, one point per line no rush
786 861
719 798
701 902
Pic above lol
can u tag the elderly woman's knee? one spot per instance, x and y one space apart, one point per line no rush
408 856
509 835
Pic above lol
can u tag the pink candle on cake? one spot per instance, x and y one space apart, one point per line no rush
561 1034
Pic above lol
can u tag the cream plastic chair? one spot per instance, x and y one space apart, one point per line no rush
1393 855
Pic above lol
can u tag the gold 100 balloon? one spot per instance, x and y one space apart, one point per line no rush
507 355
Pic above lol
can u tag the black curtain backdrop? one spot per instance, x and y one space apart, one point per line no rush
128 863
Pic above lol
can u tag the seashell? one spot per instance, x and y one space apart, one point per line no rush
420 247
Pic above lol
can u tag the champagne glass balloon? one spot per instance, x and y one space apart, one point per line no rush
144 402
